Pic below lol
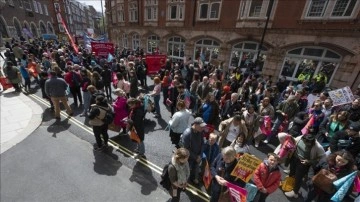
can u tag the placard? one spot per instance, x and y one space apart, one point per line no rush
341 96
246 167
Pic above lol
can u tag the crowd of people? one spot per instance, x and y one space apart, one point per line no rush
244 107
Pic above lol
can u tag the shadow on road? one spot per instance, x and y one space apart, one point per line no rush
106 162
58 126
143 176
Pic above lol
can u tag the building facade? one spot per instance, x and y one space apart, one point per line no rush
302 36
26 18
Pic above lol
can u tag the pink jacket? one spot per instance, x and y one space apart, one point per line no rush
121 111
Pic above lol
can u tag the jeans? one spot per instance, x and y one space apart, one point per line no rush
108 90
141 147
75 92
157 104
194 170
86 98
27 83
101 130
56 101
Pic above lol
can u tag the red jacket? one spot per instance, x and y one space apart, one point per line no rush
68 77
264 178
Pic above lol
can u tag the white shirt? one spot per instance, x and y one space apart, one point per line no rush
233 132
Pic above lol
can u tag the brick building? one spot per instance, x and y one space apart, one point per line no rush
303 36
27 18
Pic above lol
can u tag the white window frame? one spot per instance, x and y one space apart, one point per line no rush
210 4
203 48
245 6
35 7
20 4
61 28
321 59
347 6
328 10
46 12
135 41
243 50
11 3
180 9
151 10
125 40
152 39
27 5
180 43
133 11
39 7
121 13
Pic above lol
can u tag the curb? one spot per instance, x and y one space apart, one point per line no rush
34 123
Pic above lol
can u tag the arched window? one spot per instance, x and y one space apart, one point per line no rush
50 28
135 41
33 29
17 27
245 53
3 28
42 27
310 61
125 40
153 43
206 49
176 48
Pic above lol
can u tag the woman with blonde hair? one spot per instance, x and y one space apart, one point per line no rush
97 81
179 172
156 94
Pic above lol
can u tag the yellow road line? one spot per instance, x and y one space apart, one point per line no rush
197 192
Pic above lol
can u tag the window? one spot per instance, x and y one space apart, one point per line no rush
310 61
135 41
125 40
39 7
27 5
133 12
209 9
46 10
176 9
153 43
245 53
113 16
317 8
61 28
176 48
343 8
20 3
151 11
206 50
121 13
11 2
35 7
255 8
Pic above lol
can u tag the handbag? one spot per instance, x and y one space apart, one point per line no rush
288 184
114 127
168 102
134 136
324 180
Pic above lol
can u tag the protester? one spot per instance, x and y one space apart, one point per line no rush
210 149
179 173
267 177
240 145
55 88
85 83
179 123
73 79
230 128
120 109
136 121
13 74
230 107
156 94
100 128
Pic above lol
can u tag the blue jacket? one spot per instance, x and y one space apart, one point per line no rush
213 150
55 87
193 142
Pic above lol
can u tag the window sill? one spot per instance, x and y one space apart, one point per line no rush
328 20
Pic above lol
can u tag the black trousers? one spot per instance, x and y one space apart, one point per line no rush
101 130
298 170
260 197
75 92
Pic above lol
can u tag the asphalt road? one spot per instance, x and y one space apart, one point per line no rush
57 163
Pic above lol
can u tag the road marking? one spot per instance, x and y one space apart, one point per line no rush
197 192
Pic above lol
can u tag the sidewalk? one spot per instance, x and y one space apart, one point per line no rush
20 116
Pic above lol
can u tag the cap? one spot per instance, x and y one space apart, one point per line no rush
355 126
199 121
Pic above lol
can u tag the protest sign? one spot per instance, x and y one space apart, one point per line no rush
246 167
154 63
341 96
237 194
102 48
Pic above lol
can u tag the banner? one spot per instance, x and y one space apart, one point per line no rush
237 194
27 32
154 63
246 167
102 48
341 96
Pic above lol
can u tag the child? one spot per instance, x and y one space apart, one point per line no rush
267 177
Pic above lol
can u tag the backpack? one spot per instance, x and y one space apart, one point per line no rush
165 179
109 116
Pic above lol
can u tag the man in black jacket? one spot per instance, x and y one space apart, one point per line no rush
231 107
348 139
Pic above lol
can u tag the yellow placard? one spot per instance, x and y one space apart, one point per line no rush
246 167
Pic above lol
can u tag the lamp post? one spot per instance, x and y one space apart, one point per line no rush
103 17
268 13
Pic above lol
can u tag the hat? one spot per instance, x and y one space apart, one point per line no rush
199 121
310 136
355 126
226 89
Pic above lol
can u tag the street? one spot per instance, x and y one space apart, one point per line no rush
58 158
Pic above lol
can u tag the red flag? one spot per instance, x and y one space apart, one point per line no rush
67 32
207 175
